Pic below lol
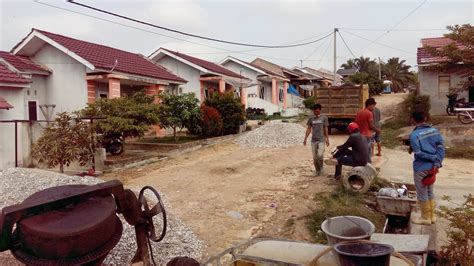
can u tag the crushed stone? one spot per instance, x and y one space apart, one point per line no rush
19 183
274 134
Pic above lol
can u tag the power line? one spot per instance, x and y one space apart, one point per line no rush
382 44
396 24
359 29
175 38
346 44
324 53
193 35
314 51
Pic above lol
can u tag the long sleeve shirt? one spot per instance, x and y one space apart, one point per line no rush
428 147
358 145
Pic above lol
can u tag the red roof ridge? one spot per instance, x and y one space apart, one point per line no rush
64 36
104 57
205 64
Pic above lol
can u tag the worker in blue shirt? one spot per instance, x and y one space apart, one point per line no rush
427 145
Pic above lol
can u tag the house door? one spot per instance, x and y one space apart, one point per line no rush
32 111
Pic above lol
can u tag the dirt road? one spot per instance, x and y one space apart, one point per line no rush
227 193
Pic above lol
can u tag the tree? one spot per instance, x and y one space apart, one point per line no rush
231 110
458 249
175 111
66 140
350 64
461 50
375 85
130 116
398 73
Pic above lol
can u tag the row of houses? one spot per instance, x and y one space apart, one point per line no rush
47 73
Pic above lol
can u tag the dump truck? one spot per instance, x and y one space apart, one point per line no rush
341 103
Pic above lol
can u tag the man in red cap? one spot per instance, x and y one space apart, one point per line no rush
357 155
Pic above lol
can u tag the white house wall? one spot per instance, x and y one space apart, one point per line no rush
429 86
37 93
184 71
246 72
66 87
7 130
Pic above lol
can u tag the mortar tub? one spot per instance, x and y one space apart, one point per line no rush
347 228
355 254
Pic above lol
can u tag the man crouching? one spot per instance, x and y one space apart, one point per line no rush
353 152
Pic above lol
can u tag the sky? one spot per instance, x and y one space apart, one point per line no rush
376 29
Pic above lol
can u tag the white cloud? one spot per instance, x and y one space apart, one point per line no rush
179 15
296 8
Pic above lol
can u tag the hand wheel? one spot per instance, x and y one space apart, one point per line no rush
148 213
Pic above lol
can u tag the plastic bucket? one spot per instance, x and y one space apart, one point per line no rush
347 228
354 254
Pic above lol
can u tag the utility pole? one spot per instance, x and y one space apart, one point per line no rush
380 71
301 62
335 31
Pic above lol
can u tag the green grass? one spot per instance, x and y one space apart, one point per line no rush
341 202
390 132
170 139
460 153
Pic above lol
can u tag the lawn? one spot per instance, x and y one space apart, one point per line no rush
342 202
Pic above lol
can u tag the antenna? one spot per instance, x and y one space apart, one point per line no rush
116 62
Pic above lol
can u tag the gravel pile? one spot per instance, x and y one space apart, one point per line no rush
18 183
273 134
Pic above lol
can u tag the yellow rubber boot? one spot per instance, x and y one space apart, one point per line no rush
425 210
433 208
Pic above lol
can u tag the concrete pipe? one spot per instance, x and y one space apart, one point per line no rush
359 178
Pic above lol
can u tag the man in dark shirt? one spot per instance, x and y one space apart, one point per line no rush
357 155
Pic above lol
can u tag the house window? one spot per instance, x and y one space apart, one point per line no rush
103 95
444 82
280 95
262 93
32 113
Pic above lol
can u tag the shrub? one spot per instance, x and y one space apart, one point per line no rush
231 110
211 122
254 113
415 103
175 111
460 233
131 116
309 102
65 140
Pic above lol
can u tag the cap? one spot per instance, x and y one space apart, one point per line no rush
352 127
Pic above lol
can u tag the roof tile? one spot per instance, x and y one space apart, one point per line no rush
4 104
22 63
423 56
8 76
107 58
206 64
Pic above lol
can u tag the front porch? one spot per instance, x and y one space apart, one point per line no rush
111 86
211 84
278 93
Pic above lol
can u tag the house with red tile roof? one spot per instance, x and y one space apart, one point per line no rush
437 82
47 73
203 77
18 101
268 89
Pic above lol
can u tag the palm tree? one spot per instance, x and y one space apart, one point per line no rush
365 64
398 73
350 64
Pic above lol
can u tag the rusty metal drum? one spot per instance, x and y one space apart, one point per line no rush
78 232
